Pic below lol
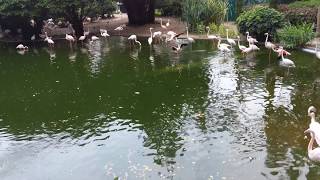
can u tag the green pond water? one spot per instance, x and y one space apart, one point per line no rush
108 110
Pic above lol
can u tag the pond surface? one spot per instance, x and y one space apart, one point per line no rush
108 110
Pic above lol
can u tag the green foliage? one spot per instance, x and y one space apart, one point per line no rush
305 3
221 30
293 36
299 15
200 28
170 7
205 11
259 21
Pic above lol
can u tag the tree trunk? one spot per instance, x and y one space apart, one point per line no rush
76 20
140 12
318 22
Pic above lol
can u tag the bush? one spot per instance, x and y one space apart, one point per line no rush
205 11
259 21
293 36
298 15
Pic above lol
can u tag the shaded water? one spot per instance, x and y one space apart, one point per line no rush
106 110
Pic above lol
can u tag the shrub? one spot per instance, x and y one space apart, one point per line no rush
293 36
170 7
298 15
259 21
205 11
221 30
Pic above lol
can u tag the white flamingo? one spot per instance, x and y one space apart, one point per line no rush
86 33
70 39
22 47
150 38
317 52
223 47
285 62
250 39
254 47
268 44
133 38
178 48
314 125
163 26
230 41
313 154
168 23
210 36
94 38
105 34
241 47
82 38
190 40
171 35
50 42
119 28
157 35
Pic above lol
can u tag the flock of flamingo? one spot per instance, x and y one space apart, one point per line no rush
178 43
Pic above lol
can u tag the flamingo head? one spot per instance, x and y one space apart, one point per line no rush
247 33
311 110
238 37
308 131
207 27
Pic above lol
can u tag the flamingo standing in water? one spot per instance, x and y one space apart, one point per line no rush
133 38
224 48
150 38
314 125
70 39
285 62
313 154
230 41
268 45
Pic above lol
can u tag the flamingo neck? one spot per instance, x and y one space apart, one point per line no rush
219 43
227 34
151 32
310 145
313 117
161 22
187 33
239 42
208 32
267 38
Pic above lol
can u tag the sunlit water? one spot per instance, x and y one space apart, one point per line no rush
106 110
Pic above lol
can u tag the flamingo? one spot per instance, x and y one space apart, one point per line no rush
230 41
104 33
210 36
94 38
133 38
317 52
250 39
163 26
178 48
86 33
268 45
313 154
168 23
50 42
223 47
285 62
157 35
119 28
22 47
70 39
150 38
254 47
82 38
171 35
190 40
240 46
314 125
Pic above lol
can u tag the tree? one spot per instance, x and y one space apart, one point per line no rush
140 11
16 14
75 11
